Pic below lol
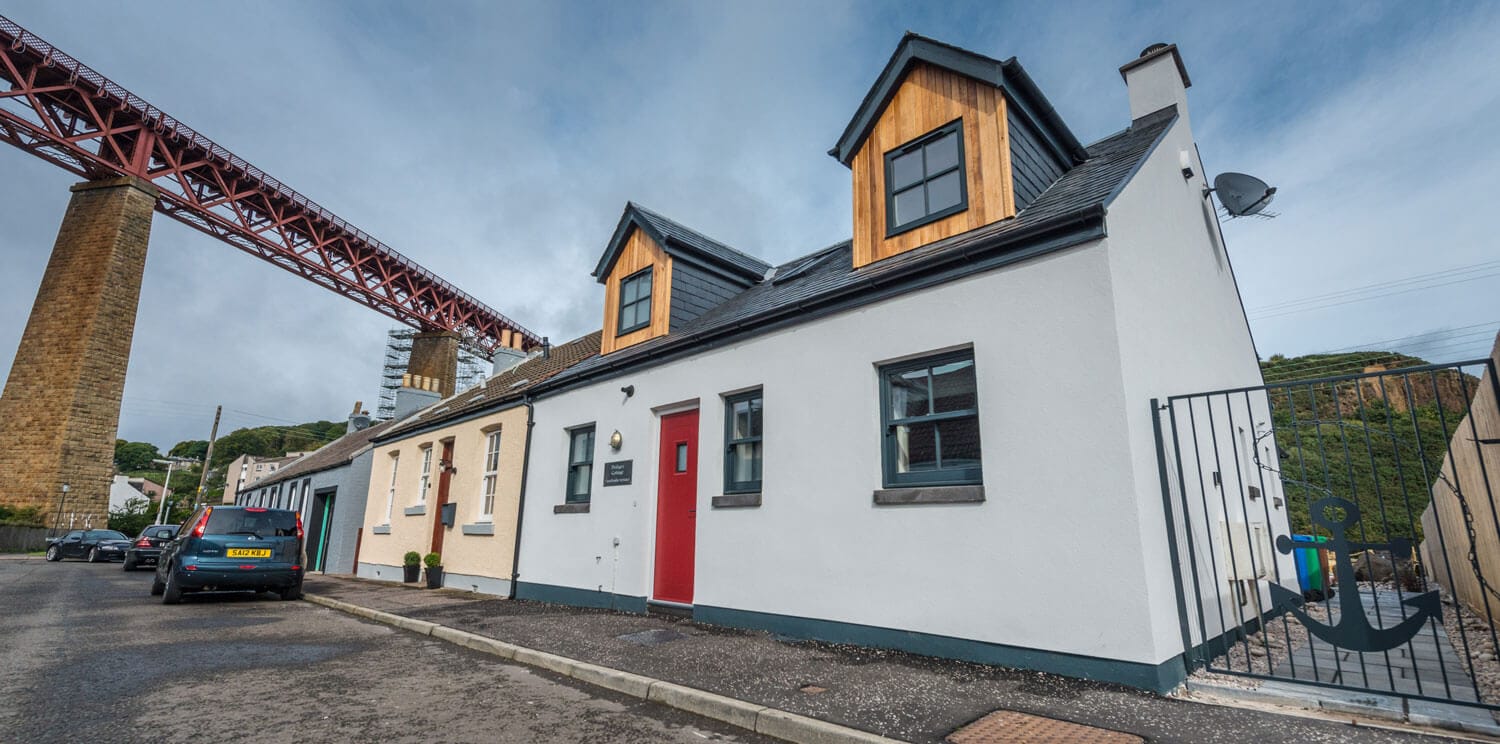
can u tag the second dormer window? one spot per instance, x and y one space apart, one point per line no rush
925 179
635 302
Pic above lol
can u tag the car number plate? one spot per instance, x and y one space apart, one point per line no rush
248 553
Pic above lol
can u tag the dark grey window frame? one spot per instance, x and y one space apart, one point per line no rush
568 496
730 484
621 328
973 476
953 127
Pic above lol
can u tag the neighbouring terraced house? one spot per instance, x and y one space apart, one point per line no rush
935 436
448 479
327 487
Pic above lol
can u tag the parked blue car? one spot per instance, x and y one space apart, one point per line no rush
224 548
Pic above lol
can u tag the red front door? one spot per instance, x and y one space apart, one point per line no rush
676 507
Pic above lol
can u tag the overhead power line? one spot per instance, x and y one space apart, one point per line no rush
1420 282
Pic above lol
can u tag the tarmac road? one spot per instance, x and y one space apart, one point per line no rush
87 655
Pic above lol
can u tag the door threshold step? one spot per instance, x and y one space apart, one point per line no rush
669 609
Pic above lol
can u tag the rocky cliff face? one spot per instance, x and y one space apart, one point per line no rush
1449 389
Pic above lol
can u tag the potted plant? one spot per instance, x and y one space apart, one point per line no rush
434 570
413 561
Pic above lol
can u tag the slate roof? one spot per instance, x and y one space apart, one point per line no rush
673 237
825 278
335 454
507 386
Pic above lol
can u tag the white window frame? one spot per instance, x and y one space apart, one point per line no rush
491 480
426 481
390 499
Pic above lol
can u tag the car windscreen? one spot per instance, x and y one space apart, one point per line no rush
258 522
105 535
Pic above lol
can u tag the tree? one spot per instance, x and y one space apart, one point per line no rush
192 449
136 515
134 455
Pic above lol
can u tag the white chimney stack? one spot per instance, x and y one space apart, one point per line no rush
1157 80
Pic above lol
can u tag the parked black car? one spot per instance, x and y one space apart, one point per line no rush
94 545
232 547
147 547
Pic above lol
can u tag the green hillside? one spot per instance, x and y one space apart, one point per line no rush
1378 442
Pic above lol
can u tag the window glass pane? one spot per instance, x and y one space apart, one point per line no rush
910 205
582 474
916 448
909 394
953 387
906 169
755 417
942 192
960 439
682 454
746 466
645 282
582 446
942 154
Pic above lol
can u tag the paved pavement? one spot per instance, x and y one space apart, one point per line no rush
87 655
894 694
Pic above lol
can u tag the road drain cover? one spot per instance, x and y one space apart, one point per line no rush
1010 726
652 637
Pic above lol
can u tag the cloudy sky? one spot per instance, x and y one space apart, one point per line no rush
496 144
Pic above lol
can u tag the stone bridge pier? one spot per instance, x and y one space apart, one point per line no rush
60 409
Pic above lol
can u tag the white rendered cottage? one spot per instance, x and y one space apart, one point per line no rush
936 436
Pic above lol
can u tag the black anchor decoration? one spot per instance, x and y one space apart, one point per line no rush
1353 630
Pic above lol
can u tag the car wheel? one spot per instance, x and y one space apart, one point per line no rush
52 554
172 592
129 564
93 555
290 593
156 587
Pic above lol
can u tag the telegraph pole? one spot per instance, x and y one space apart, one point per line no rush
209 456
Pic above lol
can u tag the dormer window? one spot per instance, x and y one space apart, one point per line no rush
635 302
925 179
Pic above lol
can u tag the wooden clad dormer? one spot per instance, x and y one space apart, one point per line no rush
659 276
945 142
641 257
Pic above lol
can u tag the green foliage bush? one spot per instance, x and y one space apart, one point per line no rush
412 558
26 516
433 560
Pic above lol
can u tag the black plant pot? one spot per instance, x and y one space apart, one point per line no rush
434 577
412 572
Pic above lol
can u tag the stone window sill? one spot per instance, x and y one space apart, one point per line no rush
481 528
380 529
412 511
582 508
930 495
736 500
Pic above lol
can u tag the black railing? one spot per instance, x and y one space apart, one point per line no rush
1341 531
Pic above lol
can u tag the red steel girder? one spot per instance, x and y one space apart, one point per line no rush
56 108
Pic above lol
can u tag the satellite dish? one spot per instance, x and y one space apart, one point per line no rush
1242 195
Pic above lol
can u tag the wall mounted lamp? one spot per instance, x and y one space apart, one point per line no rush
628 390
615 440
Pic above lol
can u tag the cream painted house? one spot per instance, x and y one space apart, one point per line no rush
448 480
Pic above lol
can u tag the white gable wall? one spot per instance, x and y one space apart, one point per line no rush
1049 561
1182 330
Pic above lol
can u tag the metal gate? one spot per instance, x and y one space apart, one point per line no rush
1341 531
